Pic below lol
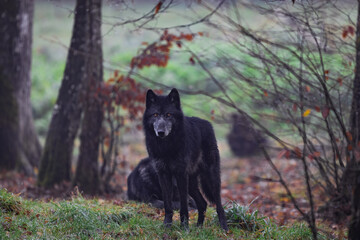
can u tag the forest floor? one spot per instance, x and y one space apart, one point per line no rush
247 181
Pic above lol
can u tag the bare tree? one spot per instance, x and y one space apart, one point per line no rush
354 165
87 171
56 160
19 145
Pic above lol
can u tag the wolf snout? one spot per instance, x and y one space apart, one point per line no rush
161 134
162 127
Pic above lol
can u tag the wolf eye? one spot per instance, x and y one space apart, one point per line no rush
168 114
156 114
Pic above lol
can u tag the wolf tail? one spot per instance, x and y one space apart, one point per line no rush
210 175
210 185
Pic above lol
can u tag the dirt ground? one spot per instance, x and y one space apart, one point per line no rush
245 180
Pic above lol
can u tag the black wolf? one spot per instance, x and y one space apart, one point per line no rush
183 148
143 185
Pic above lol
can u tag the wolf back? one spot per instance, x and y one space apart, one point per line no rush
184 148
143 186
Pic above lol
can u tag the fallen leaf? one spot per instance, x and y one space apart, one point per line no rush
345 33
316 154
298 152
339 80
306 113
351 30
294 108
158 6
349 136
325 112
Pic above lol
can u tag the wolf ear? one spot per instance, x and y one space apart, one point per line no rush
150 98
175 97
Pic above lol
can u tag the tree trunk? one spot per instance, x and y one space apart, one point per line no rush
354 229
19 145
87 176
56 160
354 165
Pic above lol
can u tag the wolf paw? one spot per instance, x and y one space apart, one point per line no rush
224 226
185 225
168 221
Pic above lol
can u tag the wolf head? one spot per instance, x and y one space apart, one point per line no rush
163 113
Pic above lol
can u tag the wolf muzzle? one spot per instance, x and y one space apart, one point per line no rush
162 127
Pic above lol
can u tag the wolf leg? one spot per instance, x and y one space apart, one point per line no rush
221 214
210 184
167 191
198 198
183 184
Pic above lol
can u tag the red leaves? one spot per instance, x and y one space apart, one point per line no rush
316 154
157 7
349 136
294 107
326 72
124 92
344 33
158 53
188 37
192 61
325 112
284 152
340 81
287 154
172 37
296 153
349 30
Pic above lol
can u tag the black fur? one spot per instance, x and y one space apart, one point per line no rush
143 185
188 152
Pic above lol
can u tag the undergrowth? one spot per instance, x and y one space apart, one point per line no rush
81 218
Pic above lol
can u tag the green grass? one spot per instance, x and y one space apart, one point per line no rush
81 218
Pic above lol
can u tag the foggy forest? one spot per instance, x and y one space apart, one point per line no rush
279 81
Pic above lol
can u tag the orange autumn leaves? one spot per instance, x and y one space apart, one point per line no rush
158 53
348 31
324 111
